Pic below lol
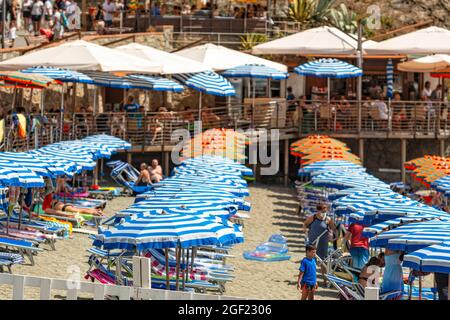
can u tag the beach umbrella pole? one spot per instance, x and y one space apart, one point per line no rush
200 106
253 103
177 271
61 114
183 254
186 268
166 253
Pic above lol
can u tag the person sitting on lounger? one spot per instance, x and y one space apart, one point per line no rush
366 273
144 177
156 173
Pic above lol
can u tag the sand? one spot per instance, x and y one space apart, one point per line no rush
273 211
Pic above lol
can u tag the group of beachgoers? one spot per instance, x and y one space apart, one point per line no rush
149 174
322 230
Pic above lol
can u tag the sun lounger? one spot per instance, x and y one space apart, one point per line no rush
101 194
354 291
126 175
26 248
8 259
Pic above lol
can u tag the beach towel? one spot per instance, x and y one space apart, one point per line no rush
22 126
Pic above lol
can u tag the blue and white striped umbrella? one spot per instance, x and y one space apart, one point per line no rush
202 196
327 166
111 141
343 180
105 79
40 165
253 71
328 68
435 258
345 192
382 239
207 82
390 79
201 212
144 231
373 230
25 177
364 198
442 185
85 162
60 74
418 240
158 83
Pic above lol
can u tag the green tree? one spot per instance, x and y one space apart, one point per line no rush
309 13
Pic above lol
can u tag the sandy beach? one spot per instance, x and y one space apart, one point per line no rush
273 211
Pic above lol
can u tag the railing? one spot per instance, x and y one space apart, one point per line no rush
74 288
145 129
342 116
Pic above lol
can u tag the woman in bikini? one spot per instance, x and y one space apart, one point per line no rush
56 207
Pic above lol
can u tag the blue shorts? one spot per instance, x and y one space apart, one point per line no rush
360 256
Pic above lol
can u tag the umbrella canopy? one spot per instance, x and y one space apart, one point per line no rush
158 83
41 166
82 55
418 240
435 258
383 239
63 75
170 63
255 71
327 166
430 63
220 58
328 68
144 231
109 80
25 177
385 226
207 82
425 41
26 80
322 40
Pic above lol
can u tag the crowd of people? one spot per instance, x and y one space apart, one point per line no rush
341 112
184 8
321 230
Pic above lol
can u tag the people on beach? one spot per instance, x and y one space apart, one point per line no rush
144 176
393 273
364 275
359 245
320 228
307 277
156 172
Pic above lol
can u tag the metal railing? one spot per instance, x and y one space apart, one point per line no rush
146 129
342 116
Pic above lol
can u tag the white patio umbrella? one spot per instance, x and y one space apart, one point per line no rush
170 63
322 40
220 58
430 63
425 41
82 55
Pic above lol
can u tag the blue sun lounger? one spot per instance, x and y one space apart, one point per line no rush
24 247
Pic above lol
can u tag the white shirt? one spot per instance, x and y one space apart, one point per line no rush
48 8
382 109
57 20
37 9
109 10
427 92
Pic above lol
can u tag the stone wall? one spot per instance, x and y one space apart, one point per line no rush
406 12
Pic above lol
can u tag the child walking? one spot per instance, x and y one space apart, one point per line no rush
307 280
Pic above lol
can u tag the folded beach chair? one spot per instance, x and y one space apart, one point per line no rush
126 175
354 291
